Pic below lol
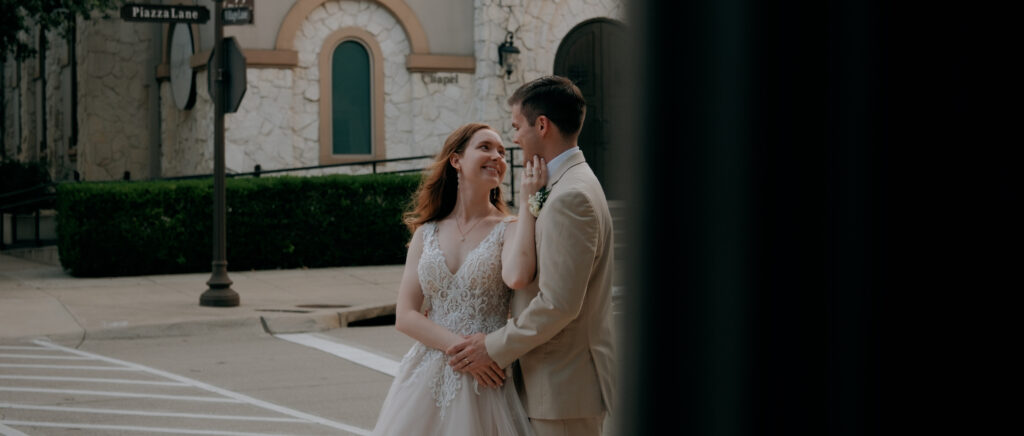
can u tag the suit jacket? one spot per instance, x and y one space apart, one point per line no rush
561 325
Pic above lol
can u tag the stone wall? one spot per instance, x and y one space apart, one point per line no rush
398 82
114 99
277 125
538 27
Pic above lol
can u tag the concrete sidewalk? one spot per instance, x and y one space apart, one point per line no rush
41 300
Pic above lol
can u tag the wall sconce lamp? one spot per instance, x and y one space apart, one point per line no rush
508 55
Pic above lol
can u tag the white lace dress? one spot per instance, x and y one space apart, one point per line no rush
427 396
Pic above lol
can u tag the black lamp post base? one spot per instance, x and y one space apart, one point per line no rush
225 297
220 293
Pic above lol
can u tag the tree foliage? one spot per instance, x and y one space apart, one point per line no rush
19 17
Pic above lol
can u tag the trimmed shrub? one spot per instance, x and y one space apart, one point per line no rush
159 227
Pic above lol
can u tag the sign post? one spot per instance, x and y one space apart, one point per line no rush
226 70
219 293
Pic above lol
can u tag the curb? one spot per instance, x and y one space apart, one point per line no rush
317 321
284 324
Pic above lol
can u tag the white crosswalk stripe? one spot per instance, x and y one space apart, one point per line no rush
18 418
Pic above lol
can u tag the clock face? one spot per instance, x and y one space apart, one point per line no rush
183 78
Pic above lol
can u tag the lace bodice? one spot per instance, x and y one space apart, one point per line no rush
474 299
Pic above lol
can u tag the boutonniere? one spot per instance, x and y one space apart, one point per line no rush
537 200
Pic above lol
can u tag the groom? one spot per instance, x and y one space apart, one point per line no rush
561 325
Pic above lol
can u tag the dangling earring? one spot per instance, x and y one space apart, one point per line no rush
458 189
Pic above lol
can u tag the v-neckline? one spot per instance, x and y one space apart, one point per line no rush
444 258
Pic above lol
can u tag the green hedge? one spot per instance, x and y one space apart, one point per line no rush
158 227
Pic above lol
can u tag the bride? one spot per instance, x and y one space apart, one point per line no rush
465 257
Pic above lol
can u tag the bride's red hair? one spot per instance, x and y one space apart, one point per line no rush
436 196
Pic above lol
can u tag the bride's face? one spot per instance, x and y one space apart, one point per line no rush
483 160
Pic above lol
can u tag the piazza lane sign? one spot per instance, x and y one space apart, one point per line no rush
165 13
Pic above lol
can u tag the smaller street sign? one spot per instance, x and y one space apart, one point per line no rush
165 13
241 15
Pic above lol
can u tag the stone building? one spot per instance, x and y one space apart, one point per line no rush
328 81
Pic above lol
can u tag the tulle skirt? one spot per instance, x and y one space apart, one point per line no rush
428 398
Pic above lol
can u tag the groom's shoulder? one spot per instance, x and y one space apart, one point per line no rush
577 195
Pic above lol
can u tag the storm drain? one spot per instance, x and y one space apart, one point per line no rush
375 321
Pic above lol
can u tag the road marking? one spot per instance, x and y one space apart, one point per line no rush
91 380
145 413
211 388
120 394
7 431
129 428
356 355
34 356
92 368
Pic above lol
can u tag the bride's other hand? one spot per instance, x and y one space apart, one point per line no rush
535 176
489 376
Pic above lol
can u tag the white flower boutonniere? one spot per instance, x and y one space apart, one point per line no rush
537 200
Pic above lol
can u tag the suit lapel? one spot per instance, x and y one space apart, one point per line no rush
574 159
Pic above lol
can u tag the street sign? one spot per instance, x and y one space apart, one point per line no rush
233 16
165 13
233 73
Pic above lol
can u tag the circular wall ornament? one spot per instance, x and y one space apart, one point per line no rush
183 77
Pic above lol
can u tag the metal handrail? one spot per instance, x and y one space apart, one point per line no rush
15 193
47 196
373 163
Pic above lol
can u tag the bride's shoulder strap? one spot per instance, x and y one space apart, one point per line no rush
428 230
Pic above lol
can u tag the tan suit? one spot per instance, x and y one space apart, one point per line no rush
561 325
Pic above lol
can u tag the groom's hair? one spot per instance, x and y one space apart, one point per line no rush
555 97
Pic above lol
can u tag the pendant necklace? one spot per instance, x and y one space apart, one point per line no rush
463 234
463 238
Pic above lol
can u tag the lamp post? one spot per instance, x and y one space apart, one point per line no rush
508 55
219 293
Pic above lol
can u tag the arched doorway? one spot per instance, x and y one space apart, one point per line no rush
590 56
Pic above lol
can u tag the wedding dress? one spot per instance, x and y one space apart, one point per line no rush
427 396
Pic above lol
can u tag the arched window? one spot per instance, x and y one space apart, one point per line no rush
351 98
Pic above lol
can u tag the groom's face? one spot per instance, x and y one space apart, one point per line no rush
524 135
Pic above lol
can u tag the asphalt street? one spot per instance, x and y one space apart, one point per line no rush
232 383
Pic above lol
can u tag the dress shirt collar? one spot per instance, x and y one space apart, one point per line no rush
560 159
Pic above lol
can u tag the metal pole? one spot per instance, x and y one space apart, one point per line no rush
219 293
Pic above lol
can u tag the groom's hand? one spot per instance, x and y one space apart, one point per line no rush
471 356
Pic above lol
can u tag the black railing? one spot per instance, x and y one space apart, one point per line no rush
259 171
37 198
22 202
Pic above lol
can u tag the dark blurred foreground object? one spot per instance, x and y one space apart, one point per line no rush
756 236
822 235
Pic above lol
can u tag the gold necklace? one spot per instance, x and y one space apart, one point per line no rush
463 238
